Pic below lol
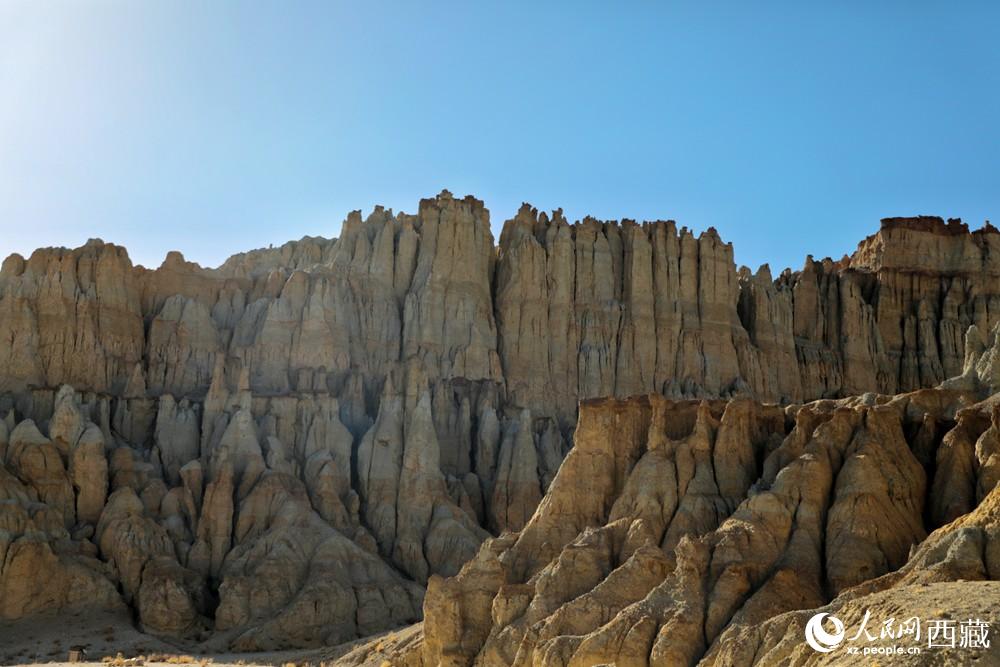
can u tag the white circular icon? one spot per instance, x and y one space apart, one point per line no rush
821 640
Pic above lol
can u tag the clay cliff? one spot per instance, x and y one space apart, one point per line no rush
686 532
288 449
554 313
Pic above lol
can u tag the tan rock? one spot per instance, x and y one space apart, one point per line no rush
89 470
666 537
41 569
392 391
39 464
517 489
177 435
284 583
172 600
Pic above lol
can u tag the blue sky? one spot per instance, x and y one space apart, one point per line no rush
217 127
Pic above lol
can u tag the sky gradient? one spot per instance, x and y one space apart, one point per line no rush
213 128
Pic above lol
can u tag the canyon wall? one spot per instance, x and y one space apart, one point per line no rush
210 447
553 314
709 532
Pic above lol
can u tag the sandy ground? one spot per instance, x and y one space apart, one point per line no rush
48 640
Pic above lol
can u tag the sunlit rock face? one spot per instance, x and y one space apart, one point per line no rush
552 314
287 450
700 532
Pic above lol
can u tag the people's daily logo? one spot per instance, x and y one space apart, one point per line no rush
825 633
821 640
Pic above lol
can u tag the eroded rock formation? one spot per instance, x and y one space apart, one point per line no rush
285 450
687 532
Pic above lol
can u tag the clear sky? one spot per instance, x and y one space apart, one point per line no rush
215 127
